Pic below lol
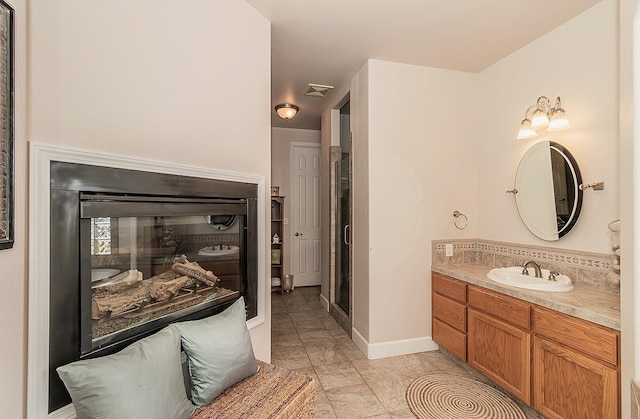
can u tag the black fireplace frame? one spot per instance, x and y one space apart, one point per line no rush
70 182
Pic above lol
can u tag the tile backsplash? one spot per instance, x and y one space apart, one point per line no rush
592 270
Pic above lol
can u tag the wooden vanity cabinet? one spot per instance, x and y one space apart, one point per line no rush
575 367
449 320
562 366
499 340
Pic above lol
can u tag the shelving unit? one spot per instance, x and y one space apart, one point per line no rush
277 249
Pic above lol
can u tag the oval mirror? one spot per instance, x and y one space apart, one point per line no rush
221 222
548 197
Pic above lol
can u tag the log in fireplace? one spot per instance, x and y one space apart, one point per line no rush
132 251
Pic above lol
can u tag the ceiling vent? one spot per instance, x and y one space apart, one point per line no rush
318 90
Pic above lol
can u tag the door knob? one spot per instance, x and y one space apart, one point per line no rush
298 234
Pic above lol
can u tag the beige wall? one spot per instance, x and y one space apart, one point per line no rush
579 64
13 278
414 164
145 79
281 139
629 298
360 288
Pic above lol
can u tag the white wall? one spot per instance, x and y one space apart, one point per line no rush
13 277
180 83
281 139
579 64
422 166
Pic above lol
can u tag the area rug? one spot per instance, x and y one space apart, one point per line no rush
448 396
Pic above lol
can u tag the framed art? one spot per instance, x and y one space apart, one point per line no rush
6 126
276 256
275 191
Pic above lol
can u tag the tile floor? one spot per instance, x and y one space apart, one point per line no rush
306 338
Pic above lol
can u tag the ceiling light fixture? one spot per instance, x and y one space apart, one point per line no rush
287 110
543 116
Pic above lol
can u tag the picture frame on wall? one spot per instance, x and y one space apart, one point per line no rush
6 126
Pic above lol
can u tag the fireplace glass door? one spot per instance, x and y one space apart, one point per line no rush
146 263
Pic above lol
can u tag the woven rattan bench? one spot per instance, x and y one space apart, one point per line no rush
273 392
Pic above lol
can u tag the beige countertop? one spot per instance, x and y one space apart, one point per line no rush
585 303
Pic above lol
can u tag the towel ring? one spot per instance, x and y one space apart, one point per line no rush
458 221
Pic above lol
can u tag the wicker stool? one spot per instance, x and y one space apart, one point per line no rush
271 393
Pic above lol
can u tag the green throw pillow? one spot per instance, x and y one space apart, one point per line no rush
219 352
143 381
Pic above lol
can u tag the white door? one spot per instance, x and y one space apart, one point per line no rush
305 213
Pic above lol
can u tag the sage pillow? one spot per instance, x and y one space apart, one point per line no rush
219 352
142 381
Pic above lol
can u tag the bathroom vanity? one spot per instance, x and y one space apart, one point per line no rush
557 352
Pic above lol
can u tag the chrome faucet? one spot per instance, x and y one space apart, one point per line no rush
536 268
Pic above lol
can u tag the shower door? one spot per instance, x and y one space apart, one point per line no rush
343 215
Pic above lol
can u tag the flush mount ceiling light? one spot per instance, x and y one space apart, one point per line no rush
543 116
287 110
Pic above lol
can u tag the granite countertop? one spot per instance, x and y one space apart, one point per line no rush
585 303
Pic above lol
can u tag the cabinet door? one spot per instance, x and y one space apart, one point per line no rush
501 352
569 385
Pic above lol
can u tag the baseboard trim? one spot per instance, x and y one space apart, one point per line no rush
66 412
393 348
324 302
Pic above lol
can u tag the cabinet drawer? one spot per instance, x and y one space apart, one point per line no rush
507 308
589 338
451 339
449 287
450 312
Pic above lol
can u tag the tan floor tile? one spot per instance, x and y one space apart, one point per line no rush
354 402
288 342
403 414
382 416
353 354
336 330
391 393
325 354
278 307
323 407
290 359
308 325
284 334
343 374
311 335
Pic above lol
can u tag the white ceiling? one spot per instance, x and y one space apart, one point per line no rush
326 42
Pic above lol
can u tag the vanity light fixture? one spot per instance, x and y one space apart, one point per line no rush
287 110
543 116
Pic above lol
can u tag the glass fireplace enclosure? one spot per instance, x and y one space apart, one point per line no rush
155 259
133 251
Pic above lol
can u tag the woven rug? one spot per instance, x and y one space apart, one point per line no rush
447 396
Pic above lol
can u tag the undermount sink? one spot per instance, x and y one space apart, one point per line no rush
513 276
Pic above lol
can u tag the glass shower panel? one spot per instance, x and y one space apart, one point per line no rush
343 213
344 204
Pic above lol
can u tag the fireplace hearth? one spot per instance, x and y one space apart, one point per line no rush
132 251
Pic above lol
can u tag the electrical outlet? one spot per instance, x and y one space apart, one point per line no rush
286 221
448 249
